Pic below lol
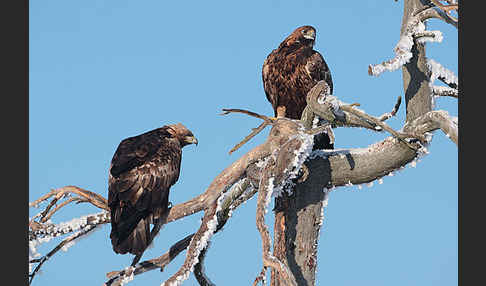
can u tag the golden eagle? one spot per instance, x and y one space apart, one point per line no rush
142 170
290 71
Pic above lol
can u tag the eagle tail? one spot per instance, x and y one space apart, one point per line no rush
134 241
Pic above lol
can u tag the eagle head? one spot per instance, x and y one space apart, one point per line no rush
183 134
304 35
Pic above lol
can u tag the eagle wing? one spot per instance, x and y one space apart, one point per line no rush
318 70
271 78
142 171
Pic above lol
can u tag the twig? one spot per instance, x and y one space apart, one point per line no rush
383 125
447 8
247 112
58 194
266 121
389 115
251 135
77 200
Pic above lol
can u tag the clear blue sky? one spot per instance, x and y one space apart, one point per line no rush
101 71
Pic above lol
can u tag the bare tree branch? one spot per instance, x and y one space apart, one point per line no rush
63 245
388 115
437 71
201 277
264 195
445 91
434 120
447 9
157 263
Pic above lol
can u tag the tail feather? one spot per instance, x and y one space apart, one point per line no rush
130 226
134 242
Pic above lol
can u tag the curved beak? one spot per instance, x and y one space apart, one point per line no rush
310 35
191 140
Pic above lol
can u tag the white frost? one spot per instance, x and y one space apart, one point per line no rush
437 70
431 36
201 244
128 278
301 155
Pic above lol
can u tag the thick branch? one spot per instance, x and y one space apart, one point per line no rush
264 195
434 120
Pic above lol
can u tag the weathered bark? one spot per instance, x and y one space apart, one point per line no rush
415 80
297 225
298 217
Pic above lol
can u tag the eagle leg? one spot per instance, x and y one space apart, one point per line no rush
281 111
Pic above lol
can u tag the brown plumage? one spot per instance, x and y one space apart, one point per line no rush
291 70
142 170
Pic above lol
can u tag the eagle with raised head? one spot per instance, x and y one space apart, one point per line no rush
142 170
289 73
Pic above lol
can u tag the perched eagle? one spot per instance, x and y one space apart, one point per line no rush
290 71
142 171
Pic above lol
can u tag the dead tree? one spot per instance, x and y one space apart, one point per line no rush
285 166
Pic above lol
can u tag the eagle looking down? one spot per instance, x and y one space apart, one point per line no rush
290 72
142 170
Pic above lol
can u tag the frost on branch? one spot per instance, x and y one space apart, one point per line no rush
437 71
42 230
444 91
415 31
403 49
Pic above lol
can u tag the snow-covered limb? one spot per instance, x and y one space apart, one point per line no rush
429 36
50 230
414 30
437 71
265 190
64 245
403 49
444 91
198 242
